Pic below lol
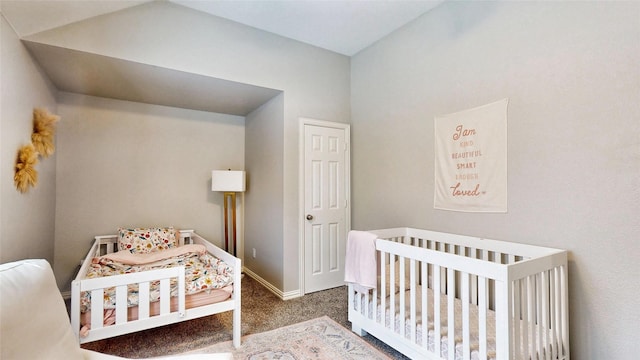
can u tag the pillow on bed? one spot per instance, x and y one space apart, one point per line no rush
147 240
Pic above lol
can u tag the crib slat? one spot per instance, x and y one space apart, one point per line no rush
392 297
515 341
451 318
559 313
521 324
504 319
436 310
443 276
412 293
473 253
564 298
383 290
366 305
485 257
530 320
552 314
482 317
425 309
545 314
374 307
375 294
524 324
403 305
121 304
365 311
538 320
466 350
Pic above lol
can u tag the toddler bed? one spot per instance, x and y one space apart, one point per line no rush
145 278
446 296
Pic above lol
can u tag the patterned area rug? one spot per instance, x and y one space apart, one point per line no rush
317 339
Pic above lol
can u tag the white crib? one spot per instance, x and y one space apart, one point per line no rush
500 300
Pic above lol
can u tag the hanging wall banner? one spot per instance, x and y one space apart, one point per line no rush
471 159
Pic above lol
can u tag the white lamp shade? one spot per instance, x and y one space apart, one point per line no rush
227 180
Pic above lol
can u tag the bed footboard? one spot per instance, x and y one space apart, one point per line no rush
170 310
121 282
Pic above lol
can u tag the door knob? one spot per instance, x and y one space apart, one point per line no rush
309 217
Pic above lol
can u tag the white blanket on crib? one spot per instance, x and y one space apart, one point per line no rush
360 266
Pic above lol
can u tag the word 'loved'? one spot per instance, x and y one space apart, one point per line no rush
456 191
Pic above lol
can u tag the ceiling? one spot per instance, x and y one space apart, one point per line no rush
342 26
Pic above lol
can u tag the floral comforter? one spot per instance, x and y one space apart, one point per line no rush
203 272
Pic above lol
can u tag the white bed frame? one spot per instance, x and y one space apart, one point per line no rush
522 284
108 244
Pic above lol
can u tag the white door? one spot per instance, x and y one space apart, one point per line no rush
326 207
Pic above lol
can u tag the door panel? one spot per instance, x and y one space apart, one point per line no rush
326 189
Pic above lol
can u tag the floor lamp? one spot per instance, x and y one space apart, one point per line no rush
229 182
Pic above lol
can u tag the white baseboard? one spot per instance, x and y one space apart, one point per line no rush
279 293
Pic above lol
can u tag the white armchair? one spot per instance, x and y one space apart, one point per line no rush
33 319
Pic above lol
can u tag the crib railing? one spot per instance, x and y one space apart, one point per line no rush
513 295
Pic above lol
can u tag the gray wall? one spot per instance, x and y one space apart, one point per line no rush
137 165
264 137
570 70
27 220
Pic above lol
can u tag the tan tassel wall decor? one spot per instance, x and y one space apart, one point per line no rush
42 143
26 174
44 129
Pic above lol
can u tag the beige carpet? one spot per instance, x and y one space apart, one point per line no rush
317 339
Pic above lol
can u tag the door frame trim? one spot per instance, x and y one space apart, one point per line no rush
303 122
